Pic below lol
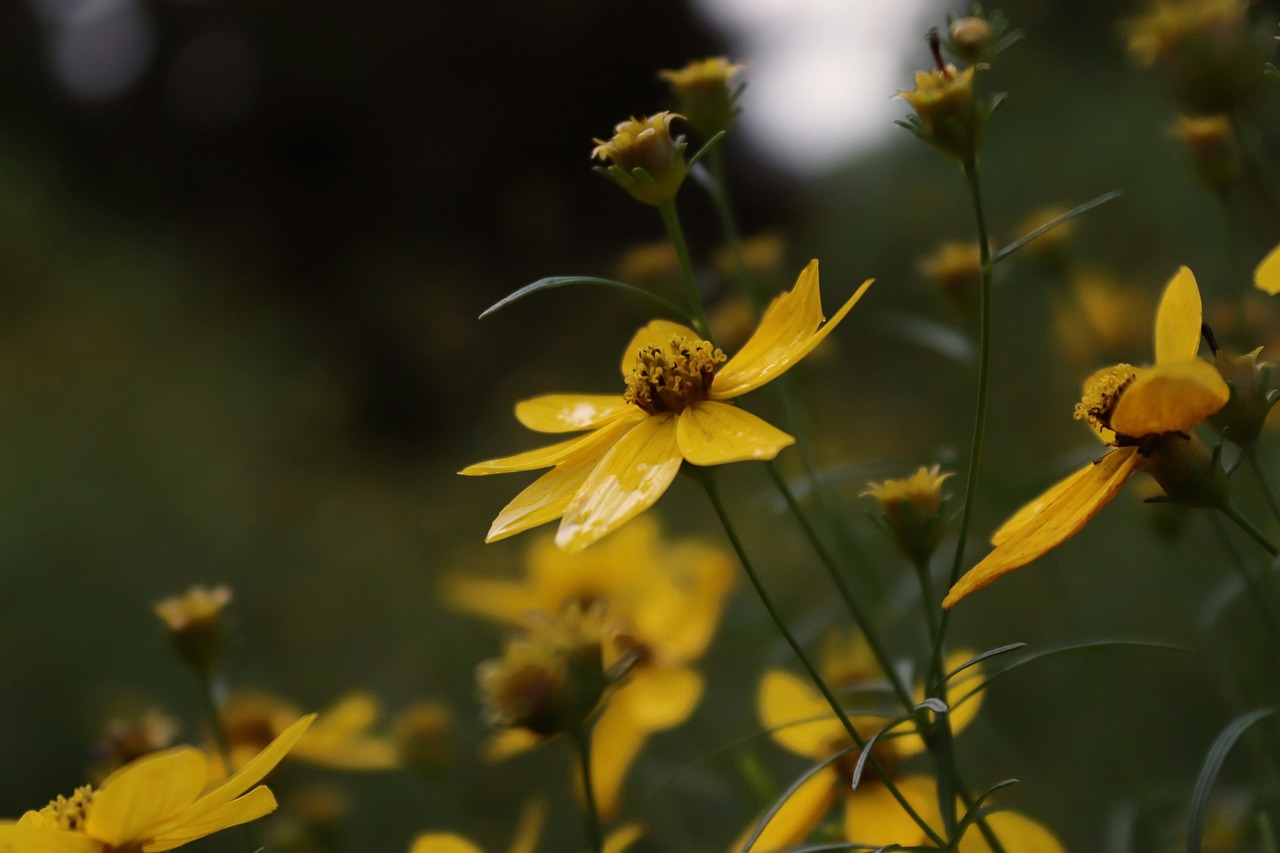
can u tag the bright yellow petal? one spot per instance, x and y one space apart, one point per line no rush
543 500
1057 522
631 476
442 842
784 698
713 433
623 837
799 815
655 334
1267 276
872 816
1015 832
145 793
658 698
570 412
1178 319
1032 509
34 839
682 607
251 806
789 330
615 742
529 828
1170 397
555 454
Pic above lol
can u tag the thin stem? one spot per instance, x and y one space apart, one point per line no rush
1247 577
930 606
590 812
708 483
209 700
1231 512
1264 482
851 602
672 220
719 193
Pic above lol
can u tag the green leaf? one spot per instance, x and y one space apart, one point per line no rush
930 334
866 749
1054 223
788 793
713 141
974 813
564 280
974 661
1209 772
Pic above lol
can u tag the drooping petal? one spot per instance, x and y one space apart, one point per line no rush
1178 319
1015 832
655 334
874 817
144 793
713 433
570 412
796 715
555 454
799 815
1032 509
529 827
251 806
789 330
442 842
1057 522
631 476
1267 275
38 839
1170 397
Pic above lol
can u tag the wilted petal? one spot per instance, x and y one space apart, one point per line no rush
1058 521
1178 319
570 412
1032 509
1170 397
713 433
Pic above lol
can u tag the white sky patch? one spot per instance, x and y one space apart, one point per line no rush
823 73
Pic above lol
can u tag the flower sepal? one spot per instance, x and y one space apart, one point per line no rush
1241 420
1188 471
646 161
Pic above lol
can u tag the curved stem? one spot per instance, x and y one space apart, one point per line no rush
706 477
590 811
672 220
1264 482
1231 512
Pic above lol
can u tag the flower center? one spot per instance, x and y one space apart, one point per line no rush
68 812
673 376
1102 393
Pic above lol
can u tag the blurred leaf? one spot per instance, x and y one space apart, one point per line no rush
990 653
975 811
931 335
563 280
1053 223
1209 773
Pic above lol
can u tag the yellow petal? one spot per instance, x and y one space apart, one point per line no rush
442 842
1170 397
1015 832
528 829
1032 509
683 604
615 742
1178 319
500 600
144 793
1057 522
799 815
655 334
785 698
626 482
713 433
36 839
339 738
872 816
251 806
1267 276
509 742
657 698
623 837
788 331
545 499
570 412
555 454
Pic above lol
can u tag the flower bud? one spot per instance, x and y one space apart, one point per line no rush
947 116
195 625
647 162
912 511
957 266
1187 471
1215 155
971 37
705 93
1242 418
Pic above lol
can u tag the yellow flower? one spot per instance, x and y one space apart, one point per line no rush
957 266
1215 154
1143 414
800 721
1266 277
1204 48
705 94
945 106
911 510
1099 312
156 803
665 596
529 827
194 621
647 162
1168 24
674 410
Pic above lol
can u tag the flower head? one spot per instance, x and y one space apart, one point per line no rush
674 410
911 508
705 93
1203 47
155 803
957 266
647 162
1215 155
1144 414
947 116
195 625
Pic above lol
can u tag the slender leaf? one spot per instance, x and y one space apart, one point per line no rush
990 653
974 813
712 142
866 750
563 280
1053 223
1209 772
930 335
788 793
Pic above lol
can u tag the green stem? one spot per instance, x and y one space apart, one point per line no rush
1231 512
209 700
851 602
590 811
707 479
672 220
1264 482
930 606
719 193
1247 577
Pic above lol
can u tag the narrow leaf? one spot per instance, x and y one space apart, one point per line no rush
974 813
715 140
990 653
1053 223
1209 772
787 794
563 280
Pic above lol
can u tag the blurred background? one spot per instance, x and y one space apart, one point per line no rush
243 247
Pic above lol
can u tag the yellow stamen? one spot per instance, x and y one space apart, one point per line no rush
68 812
671 377
1102 393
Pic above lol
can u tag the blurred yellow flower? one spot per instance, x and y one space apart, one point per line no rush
529 827
156 803
1266 277
1142 413
1099 312
674 410
704 89
194 620
1167 24
665 597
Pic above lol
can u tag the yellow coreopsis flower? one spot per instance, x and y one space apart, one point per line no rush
529 828
664 596
1266 277
675 409
156 803
800 720
1143 414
